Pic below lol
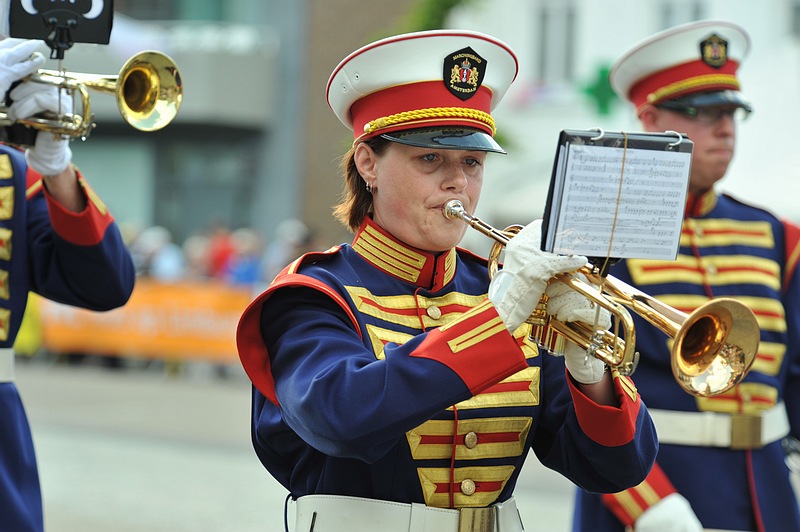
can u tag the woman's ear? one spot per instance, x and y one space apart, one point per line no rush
365 160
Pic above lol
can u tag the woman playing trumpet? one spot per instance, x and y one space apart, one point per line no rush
391 393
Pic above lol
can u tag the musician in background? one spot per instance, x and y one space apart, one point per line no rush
720 464
56 239
390 392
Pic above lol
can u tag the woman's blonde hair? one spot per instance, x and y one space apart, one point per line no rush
356 200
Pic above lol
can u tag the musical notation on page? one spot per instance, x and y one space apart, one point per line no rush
618 195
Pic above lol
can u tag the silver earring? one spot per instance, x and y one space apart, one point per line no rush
369 188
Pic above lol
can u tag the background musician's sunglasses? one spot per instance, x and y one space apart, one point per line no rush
708 115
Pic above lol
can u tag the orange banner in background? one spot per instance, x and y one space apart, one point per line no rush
184 320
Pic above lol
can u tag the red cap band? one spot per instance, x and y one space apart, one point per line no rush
683 79
417 105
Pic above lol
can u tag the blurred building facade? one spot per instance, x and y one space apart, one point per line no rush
255 143
253 123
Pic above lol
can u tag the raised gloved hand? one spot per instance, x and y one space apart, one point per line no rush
18 59
48 155
673 513
565 304
517 288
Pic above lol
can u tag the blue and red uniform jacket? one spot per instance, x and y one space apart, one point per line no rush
382 371
73 258
728 249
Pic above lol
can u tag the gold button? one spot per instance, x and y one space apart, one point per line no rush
698 231
434 312
467 487
470 440
711 269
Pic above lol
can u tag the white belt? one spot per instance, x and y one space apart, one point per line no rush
334 513
713 429
6 364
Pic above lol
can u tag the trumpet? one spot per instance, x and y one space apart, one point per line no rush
148 90
713 347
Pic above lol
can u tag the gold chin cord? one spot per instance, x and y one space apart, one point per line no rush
148 90
713 347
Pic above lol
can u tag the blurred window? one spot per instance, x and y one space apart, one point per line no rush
556 40
674 12
206 175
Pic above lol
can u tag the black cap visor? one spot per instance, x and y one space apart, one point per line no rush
446 139
709 99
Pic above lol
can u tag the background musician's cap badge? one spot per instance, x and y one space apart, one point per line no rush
431 89
714 51
691 65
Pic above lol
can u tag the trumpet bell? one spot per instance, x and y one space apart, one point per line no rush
715 347
149 91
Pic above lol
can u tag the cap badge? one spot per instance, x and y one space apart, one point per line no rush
714 51
463 72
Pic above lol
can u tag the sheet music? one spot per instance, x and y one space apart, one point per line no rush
648 214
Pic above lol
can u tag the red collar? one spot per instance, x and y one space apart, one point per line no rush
700 204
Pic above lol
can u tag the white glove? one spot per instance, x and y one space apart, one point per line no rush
49 155
565 304
18 59
517 288
673 513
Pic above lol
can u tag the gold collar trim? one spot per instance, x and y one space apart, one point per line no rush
701 204
383 251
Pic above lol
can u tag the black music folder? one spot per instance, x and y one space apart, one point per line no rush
617 195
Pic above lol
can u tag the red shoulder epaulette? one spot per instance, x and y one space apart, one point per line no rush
249 342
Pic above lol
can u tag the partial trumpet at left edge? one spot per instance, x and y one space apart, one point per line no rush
148 90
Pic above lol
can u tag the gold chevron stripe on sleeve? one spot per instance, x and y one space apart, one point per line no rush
477 335
629 504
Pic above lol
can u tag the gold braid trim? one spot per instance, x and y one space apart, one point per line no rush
691 83
428 114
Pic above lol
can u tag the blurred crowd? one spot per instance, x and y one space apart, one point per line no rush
241 257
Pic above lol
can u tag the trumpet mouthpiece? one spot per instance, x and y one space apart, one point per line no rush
453 209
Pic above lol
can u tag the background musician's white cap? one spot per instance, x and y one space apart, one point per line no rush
691 65
431 89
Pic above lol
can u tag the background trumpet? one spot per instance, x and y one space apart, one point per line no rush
148 90
713 347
